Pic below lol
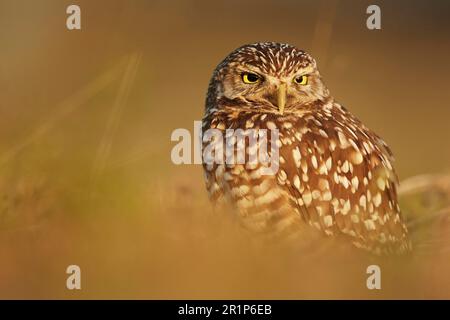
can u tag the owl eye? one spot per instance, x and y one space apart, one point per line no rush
250 78
303 80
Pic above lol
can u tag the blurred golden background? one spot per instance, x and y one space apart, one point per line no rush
85 123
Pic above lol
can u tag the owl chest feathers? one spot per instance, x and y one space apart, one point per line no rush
333 174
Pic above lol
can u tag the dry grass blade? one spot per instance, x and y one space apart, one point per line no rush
323 30
115 115
424 182
64 109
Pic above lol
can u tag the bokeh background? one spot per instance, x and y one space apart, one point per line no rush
85 123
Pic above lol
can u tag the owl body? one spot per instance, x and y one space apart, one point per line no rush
335 176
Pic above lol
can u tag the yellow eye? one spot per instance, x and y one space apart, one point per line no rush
250 78
303 80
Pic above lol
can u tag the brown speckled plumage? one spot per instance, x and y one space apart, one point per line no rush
335 174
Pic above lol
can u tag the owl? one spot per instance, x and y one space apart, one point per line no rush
335 176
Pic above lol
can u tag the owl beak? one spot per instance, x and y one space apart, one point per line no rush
281 97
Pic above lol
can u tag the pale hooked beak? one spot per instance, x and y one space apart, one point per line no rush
281 97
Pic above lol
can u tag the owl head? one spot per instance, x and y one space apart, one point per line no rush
269 76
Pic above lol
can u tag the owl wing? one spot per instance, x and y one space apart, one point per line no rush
340 174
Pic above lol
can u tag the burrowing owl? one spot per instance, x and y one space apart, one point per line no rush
334 175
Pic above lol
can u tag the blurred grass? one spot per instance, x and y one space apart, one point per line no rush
85 171
173 246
